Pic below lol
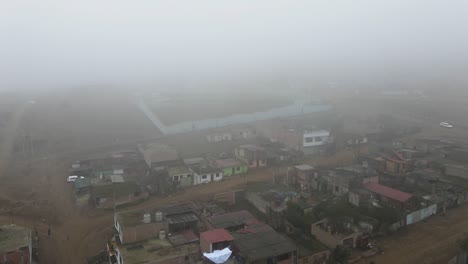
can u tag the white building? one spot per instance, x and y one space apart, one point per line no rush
313 141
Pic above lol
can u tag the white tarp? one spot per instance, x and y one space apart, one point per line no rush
219 256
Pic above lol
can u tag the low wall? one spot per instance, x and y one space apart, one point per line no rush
422 214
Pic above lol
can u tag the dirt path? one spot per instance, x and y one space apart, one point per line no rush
433 241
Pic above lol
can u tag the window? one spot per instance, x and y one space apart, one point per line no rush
337 188
309 139
238 168
189 175
204 177
318 139
176 178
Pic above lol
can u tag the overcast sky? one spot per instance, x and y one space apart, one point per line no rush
60 42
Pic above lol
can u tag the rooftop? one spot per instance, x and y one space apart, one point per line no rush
82 183
134 218
194 161
388 192
227 163
233 219
158 153
183 238
181 218
216 235
259 241
116 178
178 170
304 167
251 147
120 189
13 238
155 251
204 169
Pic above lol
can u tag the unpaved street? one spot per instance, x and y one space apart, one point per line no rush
34 191
430 242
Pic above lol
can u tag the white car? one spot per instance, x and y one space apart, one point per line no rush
445 124
73 178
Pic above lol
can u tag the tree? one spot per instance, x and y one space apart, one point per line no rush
341 254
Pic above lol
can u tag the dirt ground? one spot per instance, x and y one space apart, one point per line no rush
428 242
69 125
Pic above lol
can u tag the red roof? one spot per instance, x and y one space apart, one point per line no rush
216 235
387 191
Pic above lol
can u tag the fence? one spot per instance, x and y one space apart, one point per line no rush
422 214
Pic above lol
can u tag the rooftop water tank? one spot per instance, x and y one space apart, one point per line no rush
147 218
158 216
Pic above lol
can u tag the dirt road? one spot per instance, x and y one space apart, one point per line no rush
430 242
35 192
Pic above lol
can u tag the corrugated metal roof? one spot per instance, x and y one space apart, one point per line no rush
216 235
387 191
116 178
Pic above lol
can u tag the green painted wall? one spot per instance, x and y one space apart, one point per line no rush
233 171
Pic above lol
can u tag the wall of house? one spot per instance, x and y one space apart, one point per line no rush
22 255
323 236
203 178
313 139
254 159
142 232
217 176
184 179
330 240
232 170
108 202
317 258
354 199
391 167
205 246
422 214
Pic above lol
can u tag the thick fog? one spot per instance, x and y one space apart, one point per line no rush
57 43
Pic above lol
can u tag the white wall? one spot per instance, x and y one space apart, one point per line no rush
219 177
318 138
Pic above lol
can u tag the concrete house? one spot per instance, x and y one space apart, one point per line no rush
203 171
329 234
108 195
391 197
231 167
305 177
314 140
340 181
159 155
254 156
215 239
142 225
181 174
254 241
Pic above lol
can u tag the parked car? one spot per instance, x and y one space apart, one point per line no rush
445 124
73 178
